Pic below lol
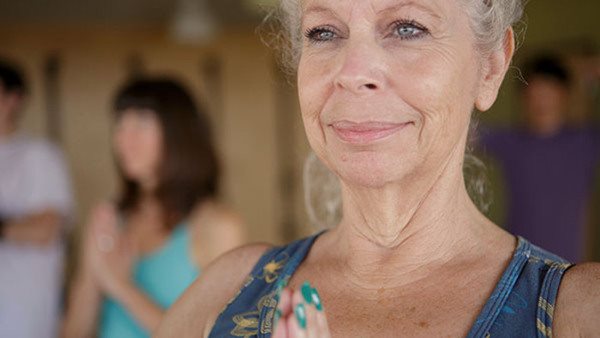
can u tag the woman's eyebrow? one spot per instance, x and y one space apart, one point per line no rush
316 9
411 3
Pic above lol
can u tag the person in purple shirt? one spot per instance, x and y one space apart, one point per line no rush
549 167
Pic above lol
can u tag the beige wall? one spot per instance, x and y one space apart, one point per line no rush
94 63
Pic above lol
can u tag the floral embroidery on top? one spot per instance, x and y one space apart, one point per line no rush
246 324
272 269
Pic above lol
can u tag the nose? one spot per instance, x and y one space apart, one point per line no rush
362 70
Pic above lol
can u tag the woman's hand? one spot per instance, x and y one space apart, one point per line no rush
110 254
300 314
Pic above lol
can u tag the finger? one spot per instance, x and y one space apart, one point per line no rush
283 296
316 326
311 312
321 318
126 244
100 213
298 323
106 241
280 329
285 302
104 217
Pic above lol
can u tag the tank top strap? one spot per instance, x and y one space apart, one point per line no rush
496 303
250 313
522 305
548 296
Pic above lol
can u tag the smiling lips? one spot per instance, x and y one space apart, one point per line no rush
365 132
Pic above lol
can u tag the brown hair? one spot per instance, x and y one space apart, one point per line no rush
189 170
11 78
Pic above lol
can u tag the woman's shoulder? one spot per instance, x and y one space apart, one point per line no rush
214 216
578 302
215 229
201 304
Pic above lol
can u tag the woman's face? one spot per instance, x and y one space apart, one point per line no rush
387 86
137 141
545 101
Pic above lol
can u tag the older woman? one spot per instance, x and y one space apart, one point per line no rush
387 88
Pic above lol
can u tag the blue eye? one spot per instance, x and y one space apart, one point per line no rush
409 30
320 34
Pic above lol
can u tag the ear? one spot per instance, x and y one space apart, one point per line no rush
494 69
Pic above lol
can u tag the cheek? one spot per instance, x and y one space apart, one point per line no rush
152 144
544 98
122 144
140 148
315 79
441 87
314 86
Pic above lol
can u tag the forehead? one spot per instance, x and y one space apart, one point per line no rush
433 7
135 113
544 82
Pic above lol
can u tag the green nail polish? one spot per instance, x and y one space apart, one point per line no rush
278 288
306 292
316 299
281 283
300 313
277 316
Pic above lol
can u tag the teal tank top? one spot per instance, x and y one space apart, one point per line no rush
162 275
521 305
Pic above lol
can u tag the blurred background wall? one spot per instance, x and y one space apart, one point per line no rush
77 52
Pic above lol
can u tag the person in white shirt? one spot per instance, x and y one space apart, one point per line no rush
35 205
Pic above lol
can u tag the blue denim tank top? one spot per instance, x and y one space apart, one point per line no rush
521 305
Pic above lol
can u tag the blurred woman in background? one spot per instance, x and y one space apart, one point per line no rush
142 252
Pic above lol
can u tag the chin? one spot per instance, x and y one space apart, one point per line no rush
370 169
133 173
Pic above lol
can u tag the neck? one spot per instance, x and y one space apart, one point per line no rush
150 208
392 236
148 187
546 126
148 201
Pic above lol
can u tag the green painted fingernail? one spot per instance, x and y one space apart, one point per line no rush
278 288
300 313
277 316
279 284
306 292
316 299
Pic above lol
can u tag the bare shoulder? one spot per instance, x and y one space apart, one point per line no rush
578 302
197 309
215 217
215 230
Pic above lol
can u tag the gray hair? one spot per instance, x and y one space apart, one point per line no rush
490 19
